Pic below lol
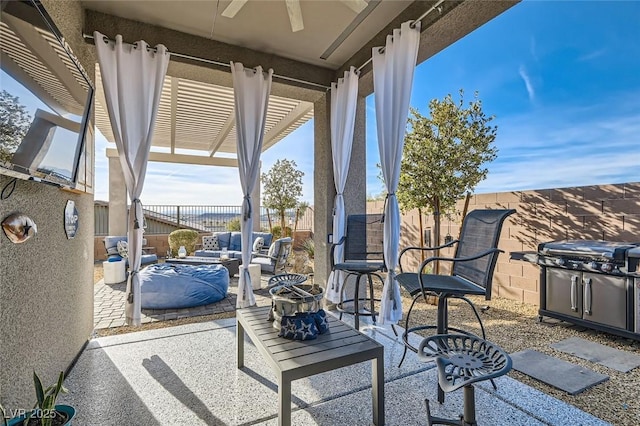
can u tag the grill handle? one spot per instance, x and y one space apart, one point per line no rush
574 293
587 296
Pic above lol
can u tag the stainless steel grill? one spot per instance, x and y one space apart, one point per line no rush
590 283
607 257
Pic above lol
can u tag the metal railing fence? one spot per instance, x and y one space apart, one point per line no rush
162 219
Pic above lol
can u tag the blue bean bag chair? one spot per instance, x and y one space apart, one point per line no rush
182 286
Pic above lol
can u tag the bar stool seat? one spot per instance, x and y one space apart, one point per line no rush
462 360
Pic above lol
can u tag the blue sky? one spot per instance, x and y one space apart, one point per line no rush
561 77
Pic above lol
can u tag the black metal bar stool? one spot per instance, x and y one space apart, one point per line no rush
363 255
472 268
462 360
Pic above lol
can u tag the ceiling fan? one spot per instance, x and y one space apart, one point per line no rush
293 9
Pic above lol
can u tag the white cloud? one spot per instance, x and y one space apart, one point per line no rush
567 146
527 82
592 55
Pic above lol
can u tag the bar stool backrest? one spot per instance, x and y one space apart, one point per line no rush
364 237
480 232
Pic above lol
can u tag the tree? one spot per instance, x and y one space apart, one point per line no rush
444 155
14 124
282 188
301 209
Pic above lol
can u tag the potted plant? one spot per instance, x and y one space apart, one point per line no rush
46 412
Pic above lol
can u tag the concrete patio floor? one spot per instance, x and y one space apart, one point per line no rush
187 375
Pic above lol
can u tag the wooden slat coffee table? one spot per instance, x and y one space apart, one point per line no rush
342 345
232 264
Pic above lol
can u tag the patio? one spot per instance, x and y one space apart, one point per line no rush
161 377
185 374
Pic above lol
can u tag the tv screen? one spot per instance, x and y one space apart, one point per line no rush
45 98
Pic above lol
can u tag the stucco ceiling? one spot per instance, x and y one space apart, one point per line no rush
265 25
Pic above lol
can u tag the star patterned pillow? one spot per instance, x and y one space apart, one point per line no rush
322 323
298 327
123 249
258 244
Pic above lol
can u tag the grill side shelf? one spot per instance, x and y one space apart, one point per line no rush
525 256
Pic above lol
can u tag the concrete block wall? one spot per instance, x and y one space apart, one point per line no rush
598 212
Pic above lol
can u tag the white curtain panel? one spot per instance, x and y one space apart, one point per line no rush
132 77
344 97
251 89
392 81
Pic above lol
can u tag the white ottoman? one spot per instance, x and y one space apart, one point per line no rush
255 272
114 272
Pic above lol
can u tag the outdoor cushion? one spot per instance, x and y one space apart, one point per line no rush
177 286
223 239
266 264
273 250
267 236
235 241
258 244
111 245
210 242
123 248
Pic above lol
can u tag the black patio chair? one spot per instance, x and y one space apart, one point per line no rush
363 255
472 272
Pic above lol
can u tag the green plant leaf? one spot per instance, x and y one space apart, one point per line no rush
4 415
59 387
39 391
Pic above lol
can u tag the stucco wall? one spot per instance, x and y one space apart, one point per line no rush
609 212
46 290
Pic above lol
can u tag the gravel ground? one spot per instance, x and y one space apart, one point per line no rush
515 327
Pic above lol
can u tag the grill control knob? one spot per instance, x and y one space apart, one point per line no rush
607 267
593 265
560 262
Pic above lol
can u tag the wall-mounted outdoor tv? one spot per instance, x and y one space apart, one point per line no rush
45 98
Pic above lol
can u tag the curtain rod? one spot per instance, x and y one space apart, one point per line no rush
413 24
222 64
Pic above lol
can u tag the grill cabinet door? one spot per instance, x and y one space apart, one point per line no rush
605 299
564 292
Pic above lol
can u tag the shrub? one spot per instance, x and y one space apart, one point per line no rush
277 232
309 247
183 237
234 225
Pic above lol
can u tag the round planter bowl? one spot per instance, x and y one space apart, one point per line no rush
68 410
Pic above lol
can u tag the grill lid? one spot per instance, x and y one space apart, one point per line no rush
595 249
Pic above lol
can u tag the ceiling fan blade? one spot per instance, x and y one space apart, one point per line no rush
356 5
233 8
295 15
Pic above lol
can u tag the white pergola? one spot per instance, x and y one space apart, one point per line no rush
197 119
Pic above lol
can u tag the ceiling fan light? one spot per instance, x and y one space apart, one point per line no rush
295 15
356 5
233 8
